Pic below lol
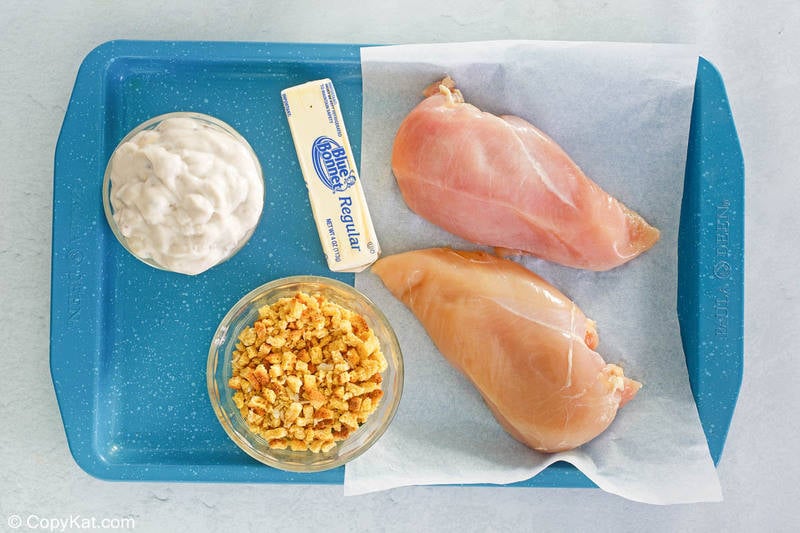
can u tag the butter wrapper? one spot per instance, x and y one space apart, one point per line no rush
334 188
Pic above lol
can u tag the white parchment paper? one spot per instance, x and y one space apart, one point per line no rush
622 111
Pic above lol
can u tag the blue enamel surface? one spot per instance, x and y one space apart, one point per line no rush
128 343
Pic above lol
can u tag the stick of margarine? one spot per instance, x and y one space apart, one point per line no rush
334 188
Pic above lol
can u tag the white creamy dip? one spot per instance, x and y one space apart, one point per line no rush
186 194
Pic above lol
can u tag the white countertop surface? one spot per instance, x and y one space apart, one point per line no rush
755 46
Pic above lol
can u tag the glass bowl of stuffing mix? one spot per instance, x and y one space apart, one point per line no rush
305 373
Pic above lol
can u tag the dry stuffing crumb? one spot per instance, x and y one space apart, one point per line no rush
307 373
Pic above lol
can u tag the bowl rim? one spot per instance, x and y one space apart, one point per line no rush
147 124
214 359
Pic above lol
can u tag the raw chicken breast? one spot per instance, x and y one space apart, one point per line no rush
525 346
499 181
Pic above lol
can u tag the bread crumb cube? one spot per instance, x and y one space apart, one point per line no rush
292 413
370 346
276 342
277 433
248 336
366 405
254 419
275 370
354 404
349 419
293 383
238 400
298 445
270 396
278 444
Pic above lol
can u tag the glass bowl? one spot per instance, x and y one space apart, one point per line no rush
219 371
204 121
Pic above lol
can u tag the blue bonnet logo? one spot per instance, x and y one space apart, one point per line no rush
331 165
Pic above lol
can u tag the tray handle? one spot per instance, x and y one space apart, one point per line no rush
711 259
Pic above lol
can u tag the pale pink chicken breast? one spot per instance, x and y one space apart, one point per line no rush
499 181
525 346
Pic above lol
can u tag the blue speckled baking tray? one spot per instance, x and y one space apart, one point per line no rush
128 343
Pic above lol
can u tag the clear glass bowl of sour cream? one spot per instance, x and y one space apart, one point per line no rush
183 192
